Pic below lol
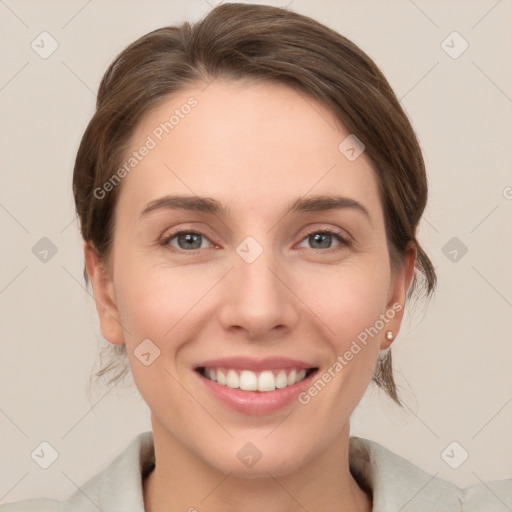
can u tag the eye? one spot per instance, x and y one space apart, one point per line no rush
186 240
191 241
323 239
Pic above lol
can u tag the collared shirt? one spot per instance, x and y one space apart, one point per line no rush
396 484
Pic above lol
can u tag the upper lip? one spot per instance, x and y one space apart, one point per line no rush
249 363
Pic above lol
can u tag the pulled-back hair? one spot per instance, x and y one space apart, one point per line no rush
261 43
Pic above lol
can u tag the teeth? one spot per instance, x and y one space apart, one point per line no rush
232 380
292 377
281 380
251 381
248 381
221 378
266 381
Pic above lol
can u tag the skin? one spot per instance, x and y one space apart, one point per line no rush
254 147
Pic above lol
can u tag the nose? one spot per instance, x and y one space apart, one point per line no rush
257 300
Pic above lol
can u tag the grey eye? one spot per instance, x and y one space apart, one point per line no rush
187 240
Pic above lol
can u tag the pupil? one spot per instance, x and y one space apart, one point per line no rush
191 240
326 239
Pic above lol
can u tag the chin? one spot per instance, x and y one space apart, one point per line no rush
251 463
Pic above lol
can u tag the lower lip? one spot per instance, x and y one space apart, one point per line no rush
256 403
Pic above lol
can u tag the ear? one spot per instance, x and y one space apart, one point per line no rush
400 282
104 296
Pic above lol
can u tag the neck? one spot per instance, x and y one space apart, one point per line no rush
183 482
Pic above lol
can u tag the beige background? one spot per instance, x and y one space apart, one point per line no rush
452 360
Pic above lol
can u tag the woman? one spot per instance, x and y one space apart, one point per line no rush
249 191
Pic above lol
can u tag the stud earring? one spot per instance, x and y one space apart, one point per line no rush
390 336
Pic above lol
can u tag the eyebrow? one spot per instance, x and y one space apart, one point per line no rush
211 206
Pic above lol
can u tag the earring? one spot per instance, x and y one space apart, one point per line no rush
390 336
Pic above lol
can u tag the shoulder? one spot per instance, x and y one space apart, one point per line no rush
495 496
397 484
117 487
41 505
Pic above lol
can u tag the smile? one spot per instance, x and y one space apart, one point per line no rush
255 386
262 381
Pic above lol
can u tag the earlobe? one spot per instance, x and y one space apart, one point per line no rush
400 284
104 296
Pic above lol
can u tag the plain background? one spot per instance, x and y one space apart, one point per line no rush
452 359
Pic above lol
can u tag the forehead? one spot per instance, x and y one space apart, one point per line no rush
243 141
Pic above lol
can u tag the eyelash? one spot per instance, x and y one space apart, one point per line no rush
344 242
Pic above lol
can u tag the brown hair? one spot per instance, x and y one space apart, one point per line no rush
240 41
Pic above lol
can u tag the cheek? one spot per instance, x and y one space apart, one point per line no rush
152 300
162 304
347 298
155 301
153 306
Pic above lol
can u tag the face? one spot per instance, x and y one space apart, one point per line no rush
271 267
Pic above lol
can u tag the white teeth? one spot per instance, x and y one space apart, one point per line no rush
266 381
281 380
292 377
251 381
248 381
232 380
221 378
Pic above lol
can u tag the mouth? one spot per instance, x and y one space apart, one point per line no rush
262 381
255 387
